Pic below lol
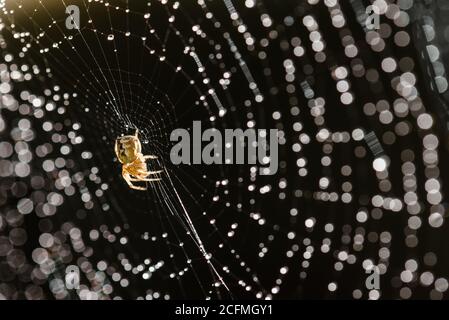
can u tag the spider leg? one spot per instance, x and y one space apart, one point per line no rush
137 188
147 173
129 180
144 179
135 179
144 174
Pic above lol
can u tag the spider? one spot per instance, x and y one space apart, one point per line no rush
129 152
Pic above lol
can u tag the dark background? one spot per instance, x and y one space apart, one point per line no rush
156 98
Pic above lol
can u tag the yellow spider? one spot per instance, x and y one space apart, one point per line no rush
129 152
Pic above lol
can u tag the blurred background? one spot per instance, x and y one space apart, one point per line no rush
363 131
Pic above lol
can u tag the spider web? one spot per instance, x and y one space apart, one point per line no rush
112 71
332 210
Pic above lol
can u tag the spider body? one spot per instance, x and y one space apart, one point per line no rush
134 168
